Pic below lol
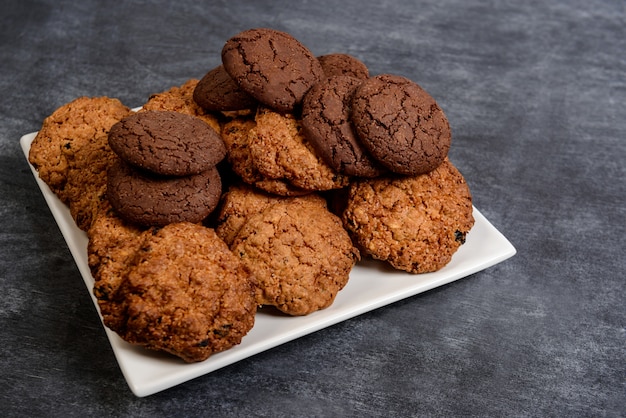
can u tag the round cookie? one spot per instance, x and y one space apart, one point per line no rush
167 143
180 99
280 150
217 91
400 124
236 135
416 223
242 201
182 292
343 64
82 123
148 199
299 253
326 111
272 66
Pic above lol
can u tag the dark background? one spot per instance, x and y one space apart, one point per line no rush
535 92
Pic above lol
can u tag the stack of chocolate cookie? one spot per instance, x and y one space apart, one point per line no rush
167 171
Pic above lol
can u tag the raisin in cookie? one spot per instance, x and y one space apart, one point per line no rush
299 253
416 223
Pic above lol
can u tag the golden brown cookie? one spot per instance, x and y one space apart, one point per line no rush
182 291
236 136
416 223
281 151
180 99
299 253
242 201
71 152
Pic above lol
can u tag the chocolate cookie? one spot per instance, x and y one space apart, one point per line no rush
299 254
148 199
271 66
416 223
180 99
167 143
400 124
181 291
217 91
326 111
343 64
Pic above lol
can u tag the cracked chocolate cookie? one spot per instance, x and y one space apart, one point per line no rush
148 199
343 64
326 112
400 124
416 223
217 91
271 66
167 143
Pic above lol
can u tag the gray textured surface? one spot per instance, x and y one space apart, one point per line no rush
535 92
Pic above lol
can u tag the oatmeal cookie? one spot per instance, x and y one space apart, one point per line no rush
236 136
416 223
280 150
299 253
180 99
182 292
242 201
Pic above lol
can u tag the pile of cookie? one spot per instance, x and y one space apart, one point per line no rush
261 184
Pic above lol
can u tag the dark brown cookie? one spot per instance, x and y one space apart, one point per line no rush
326 122
416 223
167 143
400 124
217 91
271 66
149 199
343 64
177 289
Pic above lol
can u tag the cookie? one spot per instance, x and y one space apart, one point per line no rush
182 292
167 143
326 112
416 223
243 201
271 66
299 253
236 136
81 123
280 150
147 199
344 65
180 99
400 124
217 91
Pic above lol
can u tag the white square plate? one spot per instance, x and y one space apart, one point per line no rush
372 284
